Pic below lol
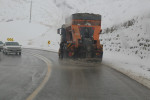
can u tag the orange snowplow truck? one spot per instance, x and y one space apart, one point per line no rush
80 37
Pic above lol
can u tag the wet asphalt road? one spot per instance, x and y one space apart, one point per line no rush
20 75
69 80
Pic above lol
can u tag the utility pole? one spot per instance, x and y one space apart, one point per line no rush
30 12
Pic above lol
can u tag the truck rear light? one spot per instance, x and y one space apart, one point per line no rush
97 54
71 54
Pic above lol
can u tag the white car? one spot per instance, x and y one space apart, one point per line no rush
12 47
1 46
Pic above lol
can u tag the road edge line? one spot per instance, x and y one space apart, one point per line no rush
46 78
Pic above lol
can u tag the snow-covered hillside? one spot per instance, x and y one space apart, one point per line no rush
131 37
48 15
53 12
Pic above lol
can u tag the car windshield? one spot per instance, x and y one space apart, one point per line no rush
12 43
1 42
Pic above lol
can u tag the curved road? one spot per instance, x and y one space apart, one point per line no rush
69 80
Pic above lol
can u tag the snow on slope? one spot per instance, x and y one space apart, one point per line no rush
41 42
53 12
20 30
131 37
14 10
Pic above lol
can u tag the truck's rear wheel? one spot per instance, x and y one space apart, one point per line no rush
19 53
60 56
64 54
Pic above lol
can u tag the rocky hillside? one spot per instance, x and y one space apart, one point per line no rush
131 37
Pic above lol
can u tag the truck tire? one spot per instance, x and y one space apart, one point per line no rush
19 53
60 56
